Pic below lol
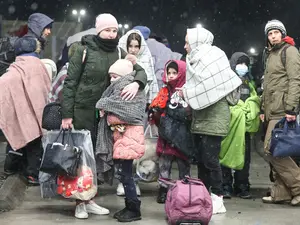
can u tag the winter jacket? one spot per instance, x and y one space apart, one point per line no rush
213 120
160 103
87 81
211 114
281 83
129 145
37 22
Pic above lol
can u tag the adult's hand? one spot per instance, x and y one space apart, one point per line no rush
262 117
290 118
130 91
67 123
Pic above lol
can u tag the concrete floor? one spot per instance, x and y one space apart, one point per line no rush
37 211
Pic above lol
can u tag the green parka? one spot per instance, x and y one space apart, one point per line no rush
281 83
86 82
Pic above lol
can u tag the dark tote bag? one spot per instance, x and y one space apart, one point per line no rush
285 140
61 158
175 129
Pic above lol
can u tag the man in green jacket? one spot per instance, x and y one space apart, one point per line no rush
281 99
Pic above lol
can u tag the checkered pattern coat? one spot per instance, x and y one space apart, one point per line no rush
209 77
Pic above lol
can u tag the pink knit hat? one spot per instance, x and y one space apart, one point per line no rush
104 21
121 67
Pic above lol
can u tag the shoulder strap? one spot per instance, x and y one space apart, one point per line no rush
84 55
264 58
283 55
119 52
84 59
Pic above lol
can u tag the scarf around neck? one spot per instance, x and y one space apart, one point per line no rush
108 45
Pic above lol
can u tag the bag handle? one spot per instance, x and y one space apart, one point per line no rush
188 179
286 126
63 132
167 181
185 180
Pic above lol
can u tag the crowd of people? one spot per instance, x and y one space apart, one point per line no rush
107 84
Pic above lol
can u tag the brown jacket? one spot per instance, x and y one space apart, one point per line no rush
281 83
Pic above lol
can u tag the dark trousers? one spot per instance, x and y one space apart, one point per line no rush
165 167
209 169
124 173
27 159
241 177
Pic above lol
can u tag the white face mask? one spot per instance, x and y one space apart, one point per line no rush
241 69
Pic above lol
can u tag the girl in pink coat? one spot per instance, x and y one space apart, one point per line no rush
121 133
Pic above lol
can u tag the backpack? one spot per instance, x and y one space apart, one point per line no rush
7 53
188 201
282 56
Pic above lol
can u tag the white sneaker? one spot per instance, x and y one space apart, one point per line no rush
120 190
218 204
93 208
80 211
138 190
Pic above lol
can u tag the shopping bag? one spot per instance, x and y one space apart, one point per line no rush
61 158
84 186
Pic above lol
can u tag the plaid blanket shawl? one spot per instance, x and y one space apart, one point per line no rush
131 112
55 94
209 77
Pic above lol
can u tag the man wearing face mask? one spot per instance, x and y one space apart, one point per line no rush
239 63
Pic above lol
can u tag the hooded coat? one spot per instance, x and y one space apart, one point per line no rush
245 88
160 103
37 22
144 59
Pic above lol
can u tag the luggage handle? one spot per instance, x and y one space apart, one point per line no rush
167 181
186 180
286 126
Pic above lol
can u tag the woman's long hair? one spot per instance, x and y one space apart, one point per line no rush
134 36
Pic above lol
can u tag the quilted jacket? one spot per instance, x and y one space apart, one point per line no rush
130 144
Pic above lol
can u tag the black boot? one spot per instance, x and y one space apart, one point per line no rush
227 192
131 212
242 191
119 213
162 195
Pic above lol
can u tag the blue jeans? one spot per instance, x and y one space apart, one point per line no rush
124 173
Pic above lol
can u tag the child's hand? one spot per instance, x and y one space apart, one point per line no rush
180 92
102 113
